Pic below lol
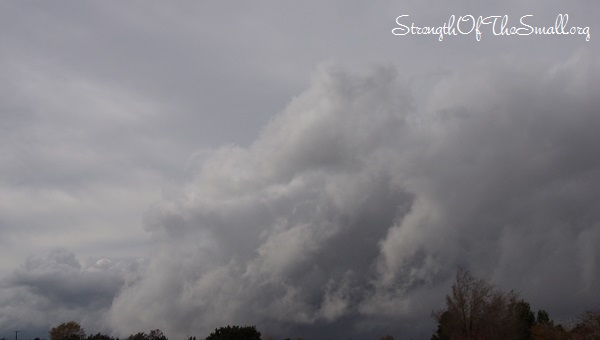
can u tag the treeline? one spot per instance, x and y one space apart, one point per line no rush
73 331
476 310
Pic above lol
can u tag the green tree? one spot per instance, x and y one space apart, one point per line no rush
67 331
235 333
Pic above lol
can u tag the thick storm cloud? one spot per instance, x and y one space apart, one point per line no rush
178 166
357 202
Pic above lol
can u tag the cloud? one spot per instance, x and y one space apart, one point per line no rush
254 219
352 207
63 182
46 291
351 210
356 203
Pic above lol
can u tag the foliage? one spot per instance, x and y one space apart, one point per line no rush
99 336
155 334
521 319
235 333
543 318
588 326
139 336
545 331
67 331
476 309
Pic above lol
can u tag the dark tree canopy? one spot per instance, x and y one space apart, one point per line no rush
99 336
156 334
235 333
588 326
521 319
544 318
138 336
67 331
476 309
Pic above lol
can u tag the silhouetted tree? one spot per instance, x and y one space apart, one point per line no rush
442 331
139 336
543 331
475 309
235 333
543 318
588 326
99 336
156 334
520 321
67 331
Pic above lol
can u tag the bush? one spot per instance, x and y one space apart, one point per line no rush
235 333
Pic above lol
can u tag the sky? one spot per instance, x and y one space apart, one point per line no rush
293 165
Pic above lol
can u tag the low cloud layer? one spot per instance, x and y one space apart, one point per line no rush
48 290
350 212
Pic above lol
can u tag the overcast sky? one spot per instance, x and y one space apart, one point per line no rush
292 165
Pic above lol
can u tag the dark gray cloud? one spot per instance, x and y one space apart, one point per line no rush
264 189
46 291
60 279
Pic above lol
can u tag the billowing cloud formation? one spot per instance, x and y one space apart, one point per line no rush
356 203
315 185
